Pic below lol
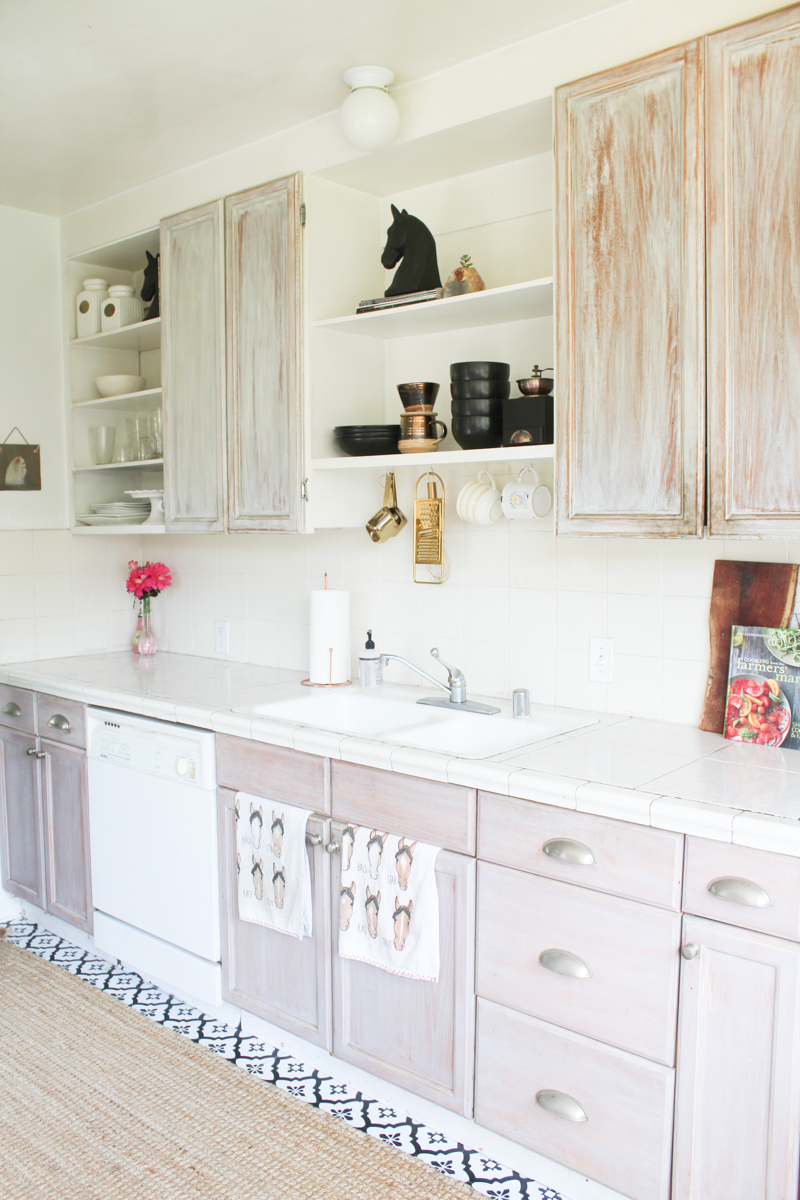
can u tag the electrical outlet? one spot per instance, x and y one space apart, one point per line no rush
222 638
601 660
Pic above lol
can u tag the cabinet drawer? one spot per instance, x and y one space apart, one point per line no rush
272 771
610 856
61 720
17 708
441 813
752 888
603 966
624 1140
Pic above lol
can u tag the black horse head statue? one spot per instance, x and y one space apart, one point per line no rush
150 289
409 239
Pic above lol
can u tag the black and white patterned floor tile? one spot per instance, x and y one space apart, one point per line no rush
486 1176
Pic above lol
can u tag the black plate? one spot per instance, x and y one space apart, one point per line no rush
476 408
477 433
480 370
358 431
480 389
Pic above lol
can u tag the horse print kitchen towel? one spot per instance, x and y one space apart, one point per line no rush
388 903
272 864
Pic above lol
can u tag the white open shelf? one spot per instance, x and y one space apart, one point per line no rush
145 335
123 466
442 457
106 530
146 400
495 306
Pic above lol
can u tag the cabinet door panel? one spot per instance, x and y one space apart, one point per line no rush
624 1142
66 834
753 288
279 978
737 1117
193 369
624 859
264 376
417 1034
629 998
23 865
629 305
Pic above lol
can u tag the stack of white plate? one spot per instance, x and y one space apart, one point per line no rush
117 512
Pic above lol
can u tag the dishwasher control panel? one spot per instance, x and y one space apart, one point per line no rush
154 747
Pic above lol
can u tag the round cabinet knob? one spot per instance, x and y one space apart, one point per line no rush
181 766
690 950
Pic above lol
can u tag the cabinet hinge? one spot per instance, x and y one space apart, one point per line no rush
302 214
304 490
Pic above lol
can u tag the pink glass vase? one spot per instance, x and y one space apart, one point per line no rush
147 642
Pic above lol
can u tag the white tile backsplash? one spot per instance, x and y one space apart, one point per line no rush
518 608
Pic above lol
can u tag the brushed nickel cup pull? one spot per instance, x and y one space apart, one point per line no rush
313 839
565 850
690 950
12 709
561 1105
741 891
565 963
333 847
59 722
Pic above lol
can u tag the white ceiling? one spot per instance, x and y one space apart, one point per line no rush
99 96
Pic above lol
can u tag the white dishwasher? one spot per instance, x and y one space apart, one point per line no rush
154 847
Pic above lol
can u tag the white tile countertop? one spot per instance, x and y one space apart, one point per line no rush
648 772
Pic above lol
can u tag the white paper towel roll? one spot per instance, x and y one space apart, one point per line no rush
330 629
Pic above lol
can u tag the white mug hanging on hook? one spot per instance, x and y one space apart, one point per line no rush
479 501
524 501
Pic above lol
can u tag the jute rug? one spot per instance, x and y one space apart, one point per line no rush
100 1103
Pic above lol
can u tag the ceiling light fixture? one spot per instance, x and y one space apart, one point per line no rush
369 115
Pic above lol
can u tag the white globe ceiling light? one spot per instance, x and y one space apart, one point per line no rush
369 115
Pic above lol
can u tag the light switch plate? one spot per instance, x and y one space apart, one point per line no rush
601 660
222 638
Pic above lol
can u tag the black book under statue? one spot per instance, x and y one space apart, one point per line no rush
417 278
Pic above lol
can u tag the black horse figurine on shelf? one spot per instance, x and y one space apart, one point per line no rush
150 288
409 239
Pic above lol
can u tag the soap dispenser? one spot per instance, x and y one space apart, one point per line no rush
370 671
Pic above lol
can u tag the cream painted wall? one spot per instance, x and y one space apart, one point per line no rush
31 362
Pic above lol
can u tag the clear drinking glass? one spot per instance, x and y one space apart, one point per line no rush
101 441
157 433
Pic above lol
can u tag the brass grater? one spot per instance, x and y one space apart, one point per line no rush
429 531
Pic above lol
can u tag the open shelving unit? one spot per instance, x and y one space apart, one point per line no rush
444 458
132 350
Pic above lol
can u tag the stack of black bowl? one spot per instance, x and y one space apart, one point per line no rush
478 390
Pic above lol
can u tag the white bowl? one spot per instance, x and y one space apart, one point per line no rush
119 385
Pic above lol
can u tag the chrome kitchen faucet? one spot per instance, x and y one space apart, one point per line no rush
456 685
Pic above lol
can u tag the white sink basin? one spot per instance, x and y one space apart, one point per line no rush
406 723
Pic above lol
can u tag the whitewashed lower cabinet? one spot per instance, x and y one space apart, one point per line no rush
416 1034
737 1111
282 979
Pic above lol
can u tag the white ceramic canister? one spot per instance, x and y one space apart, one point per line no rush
123 307
479 501
89 304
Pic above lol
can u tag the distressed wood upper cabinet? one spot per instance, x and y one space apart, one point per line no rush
753 170
193 369
265 427
737 1114
630 298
